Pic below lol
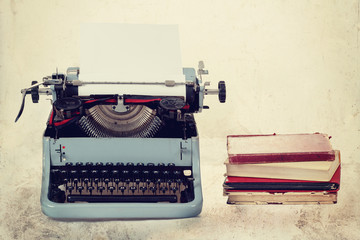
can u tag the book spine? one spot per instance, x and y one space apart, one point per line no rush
281 157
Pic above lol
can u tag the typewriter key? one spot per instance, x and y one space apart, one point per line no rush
90 189
111 189
143 189
100 189
70 188
122 189
133 189
80 189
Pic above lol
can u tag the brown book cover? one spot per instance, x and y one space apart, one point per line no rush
272 148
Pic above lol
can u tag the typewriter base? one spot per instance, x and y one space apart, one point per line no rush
126 210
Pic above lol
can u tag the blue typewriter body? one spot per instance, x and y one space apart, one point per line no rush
121 150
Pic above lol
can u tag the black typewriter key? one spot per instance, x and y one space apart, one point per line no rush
75 180
163 189
120 164
166 173
89 164
161 165
122 189
96 180
177 173
155 172
55 171
70 188
80 189
174 189
86 180
139 164
128 180
100 189
114 173
94 173
104 173
153 189
69 164
109 164
150 165
84 173
73 173
137 181
64 173
111 189
125 172
133 189
106 181
79 164
148 181
116 181
143 189
90 189
99 164
171 164
65 180
130 164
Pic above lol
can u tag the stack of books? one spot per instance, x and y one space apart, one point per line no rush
281 169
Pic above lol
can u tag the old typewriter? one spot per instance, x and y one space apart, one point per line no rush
121 156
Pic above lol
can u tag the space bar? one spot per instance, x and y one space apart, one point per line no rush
122 198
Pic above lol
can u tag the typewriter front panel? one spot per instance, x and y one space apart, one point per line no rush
120 150
110 185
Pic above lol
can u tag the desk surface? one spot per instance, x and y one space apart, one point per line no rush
22 217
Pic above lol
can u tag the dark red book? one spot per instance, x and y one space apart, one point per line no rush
248 149
236 184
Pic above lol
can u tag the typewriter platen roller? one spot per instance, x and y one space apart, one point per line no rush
121 156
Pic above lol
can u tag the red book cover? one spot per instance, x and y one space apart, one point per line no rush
246 184
245 149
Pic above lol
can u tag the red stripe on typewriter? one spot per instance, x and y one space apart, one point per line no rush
187 106
111 101
51 117
142 100
91 101
96 100
63 121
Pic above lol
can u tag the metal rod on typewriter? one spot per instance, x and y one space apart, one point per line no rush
168 83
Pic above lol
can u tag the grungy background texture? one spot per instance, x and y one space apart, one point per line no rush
289 66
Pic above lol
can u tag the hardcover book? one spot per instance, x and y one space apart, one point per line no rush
279 148
307 170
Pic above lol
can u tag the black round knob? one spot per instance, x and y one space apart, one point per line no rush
35 92
222 91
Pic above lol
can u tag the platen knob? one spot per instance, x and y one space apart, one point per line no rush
222 91
35 92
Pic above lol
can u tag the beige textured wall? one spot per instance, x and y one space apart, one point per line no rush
289 66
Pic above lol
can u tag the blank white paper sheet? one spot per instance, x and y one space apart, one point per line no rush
130 53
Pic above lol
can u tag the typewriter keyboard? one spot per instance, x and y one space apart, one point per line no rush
121 183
